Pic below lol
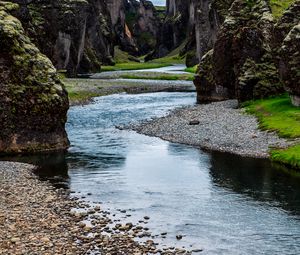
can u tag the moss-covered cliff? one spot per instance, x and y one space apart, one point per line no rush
245 59
33 101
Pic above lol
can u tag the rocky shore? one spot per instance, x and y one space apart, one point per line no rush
35 218
218 126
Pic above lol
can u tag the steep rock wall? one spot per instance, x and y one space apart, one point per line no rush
75 35
242 63
33 101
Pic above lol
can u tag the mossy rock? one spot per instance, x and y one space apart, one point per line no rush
33 101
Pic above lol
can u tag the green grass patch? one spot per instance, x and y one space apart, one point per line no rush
160 8
133 66
277 114
191 69
290 156
170 77
279 6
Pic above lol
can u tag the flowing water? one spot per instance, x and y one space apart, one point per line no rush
220 203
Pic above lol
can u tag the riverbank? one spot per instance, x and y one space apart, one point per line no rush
219 126
36 218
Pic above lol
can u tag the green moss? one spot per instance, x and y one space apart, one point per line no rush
133 66
279 6
172 77
277 114
290 156
191 69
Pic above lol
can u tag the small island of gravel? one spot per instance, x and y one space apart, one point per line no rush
222 127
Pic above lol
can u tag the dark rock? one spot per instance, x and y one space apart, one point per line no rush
179 237
75 35
33 101
290 64
242 64
194 122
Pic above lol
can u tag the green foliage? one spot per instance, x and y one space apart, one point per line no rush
290 156
279 6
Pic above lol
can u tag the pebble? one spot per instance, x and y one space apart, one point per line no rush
49 221
222 127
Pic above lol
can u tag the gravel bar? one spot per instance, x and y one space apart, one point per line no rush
218 126
35 218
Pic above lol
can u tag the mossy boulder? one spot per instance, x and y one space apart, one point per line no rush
33 101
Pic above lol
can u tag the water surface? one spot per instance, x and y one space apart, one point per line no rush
220 203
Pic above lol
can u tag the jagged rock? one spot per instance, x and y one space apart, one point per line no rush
208 15
74 34
33 101
175 29
242 63
135 25
290 64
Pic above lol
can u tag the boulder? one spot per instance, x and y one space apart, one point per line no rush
33 101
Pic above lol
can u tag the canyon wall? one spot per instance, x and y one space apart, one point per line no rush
246 56
75 35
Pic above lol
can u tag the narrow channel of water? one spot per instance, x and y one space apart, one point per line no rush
220 203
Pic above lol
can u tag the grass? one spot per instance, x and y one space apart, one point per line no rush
171 77
279 6
191 69
278 114
290 156
133 66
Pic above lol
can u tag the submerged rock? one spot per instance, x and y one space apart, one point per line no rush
33 101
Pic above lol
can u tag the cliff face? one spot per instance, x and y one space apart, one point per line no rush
288 32
75 35
175 28
135 25
243 63
33 101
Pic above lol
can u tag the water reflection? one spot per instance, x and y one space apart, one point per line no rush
52 167
258 178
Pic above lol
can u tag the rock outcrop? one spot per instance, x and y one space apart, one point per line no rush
135 25
74 34
242 64
33 101
290 64
175 28
287 35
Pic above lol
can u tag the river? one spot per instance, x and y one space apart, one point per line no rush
220 203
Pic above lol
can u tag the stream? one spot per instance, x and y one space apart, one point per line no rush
218 202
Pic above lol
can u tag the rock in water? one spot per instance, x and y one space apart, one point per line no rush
33 101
